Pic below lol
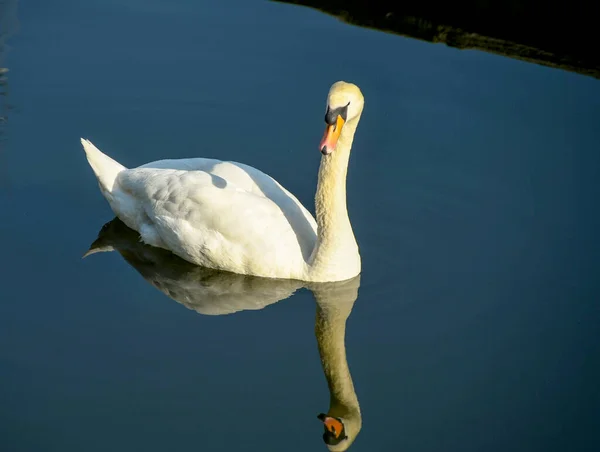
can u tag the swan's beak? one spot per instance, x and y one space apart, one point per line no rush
330 138
333 425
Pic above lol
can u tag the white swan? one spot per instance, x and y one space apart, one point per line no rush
230 216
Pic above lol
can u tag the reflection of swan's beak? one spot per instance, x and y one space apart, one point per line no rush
108 237
330 138
94 250
334 427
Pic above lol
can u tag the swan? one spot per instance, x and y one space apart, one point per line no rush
214 292
230 216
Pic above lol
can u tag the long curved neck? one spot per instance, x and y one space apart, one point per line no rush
330 331
336 244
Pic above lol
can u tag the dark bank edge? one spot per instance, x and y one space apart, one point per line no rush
561 37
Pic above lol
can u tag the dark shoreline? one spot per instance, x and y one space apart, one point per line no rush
525 30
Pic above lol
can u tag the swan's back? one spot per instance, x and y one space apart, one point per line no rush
247 178
223 215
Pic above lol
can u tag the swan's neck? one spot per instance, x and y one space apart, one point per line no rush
330 330
336 251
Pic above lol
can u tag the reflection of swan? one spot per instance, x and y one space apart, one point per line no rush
343 421
230 216
206 291
215 292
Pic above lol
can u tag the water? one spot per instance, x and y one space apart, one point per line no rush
472 190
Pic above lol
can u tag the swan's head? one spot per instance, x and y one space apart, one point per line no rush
340 432
344 104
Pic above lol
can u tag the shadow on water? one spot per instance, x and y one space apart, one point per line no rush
213 292
555 37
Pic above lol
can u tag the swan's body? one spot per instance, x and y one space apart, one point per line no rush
230 216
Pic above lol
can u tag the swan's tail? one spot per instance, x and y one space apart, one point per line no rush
105 168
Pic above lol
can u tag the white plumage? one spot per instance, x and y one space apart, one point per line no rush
230 216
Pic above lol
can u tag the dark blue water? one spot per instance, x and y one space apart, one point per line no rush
473 192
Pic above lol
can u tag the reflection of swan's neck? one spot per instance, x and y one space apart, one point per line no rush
336 250
330 330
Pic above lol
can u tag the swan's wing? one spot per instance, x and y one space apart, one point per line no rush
251 180
242 176
213 222
193 164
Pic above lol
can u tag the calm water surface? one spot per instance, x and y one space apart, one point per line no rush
473 191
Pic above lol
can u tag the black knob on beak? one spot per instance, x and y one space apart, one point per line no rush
332 114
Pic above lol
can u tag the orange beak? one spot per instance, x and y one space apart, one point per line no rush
330 138
332 424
